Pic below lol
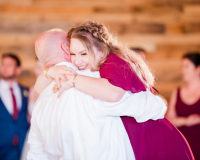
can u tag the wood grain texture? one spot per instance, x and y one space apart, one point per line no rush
165 29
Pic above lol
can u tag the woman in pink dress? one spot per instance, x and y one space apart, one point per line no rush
184 106
92 47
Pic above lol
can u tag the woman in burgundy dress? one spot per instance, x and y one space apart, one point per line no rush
184 106
121 70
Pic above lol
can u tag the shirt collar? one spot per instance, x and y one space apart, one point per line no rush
68 64
6 85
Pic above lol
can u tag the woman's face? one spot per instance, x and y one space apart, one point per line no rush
189 71
81 58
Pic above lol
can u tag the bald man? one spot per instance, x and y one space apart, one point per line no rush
78 126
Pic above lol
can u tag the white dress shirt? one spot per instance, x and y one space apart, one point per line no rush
6 95
77 126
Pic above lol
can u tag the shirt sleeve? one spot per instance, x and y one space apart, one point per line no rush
150 106
119 73
36 151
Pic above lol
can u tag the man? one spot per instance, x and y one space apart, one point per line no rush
13 109
141 52
78 126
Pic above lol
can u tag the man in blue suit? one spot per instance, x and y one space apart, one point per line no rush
13 109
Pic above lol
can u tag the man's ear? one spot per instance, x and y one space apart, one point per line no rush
65 47
18 71
103 54
198 68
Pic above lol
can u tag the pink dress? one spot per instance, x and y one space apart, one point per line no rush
151 140
192 134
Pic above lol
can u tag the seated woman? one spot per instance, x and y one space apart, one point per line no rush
92 47
184 106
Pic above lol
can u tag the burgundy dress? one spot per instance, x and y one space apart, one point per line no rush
192 134
151 140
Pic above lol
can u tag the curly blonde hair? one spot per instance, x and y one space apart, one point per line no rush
93 34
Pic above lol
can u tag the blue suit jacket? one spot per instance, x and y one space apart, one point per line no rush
10 127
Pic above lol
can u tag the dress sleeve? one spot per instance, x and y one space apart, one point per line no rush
119 74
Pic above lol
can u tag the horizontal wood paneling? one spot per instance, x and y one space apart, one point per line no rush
166 29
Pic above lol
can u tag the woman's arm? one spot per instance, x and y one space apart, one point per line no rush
177 120
41 83
57 73
99 88
171 112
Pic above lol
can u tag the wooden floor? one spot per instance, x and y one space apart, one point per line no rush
166 29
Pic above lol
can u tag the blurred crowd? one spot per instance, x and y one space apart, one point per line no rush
17 103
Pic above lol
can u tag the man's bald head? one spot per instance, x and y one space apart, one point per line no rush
52 44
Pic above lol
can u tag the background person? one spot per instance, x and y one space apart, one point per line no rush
184 105
140 51
13 109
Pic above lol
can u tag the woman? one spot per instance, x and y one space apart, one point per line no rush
91 47
184 106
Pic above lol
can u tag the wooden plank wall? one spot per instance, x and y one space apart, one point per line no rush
165 28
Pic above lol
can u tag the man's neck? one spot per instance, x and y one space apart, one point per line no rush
10 81
57 60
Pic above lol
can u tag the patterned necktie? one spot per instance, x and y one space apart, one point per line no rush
15 110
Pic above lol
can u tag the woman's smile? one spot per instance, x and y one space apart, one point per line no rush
82 67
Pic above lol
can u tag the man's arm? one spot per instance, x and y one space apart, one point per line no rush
36 151
142 106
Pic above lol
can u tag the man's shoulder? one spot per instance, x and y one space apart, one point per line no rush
48 90
68 64
89 73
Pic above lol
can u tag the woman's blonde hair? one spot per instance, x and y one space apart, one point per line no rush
93 34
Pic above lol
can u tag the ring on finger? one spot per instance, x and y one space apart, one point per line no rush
57 88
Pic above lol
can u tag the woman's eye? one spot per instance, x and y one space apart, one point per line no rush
72 54
84 54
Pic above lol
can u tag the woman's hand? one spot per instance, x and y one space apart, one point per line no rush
65 85
192 120
60 72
